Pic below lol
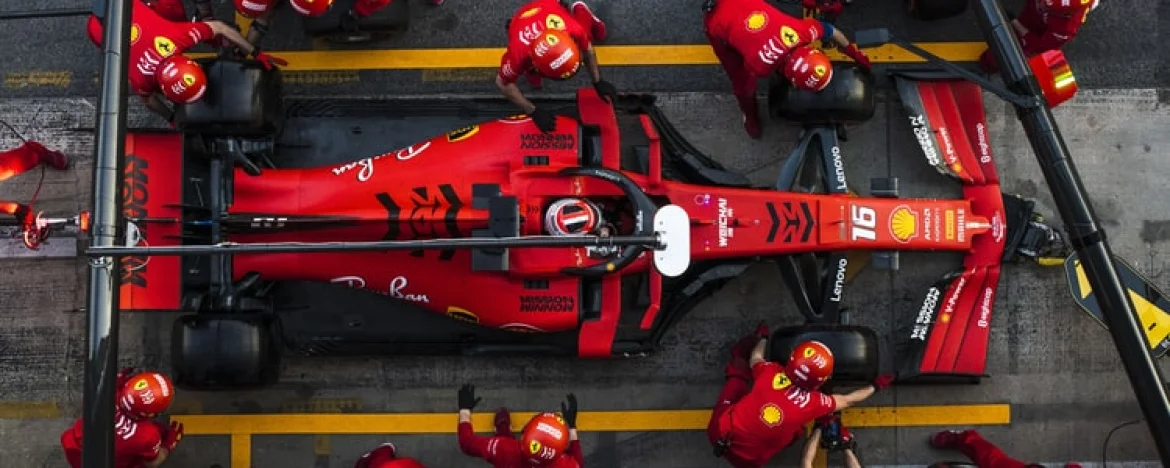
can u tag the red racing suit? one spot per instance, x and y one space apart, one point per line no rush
385 457
530 21
985 454
1046 30
152 39
503 450
751 39
762 420
135 442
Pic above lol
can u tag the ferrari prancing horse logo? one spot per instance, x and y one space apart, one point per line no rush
554 22
164 46
789 37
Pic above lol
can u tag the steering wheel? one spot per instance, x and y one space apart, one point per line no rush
644 209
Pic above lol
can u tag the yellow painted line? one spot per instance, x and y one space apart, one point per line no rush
60 79
592 421
29 410
241 450
610 56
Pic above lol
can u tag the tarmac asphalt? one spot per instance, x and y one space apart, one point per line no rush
1054 365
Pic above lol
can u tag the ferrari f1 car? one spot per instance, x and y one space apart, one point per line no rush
250 168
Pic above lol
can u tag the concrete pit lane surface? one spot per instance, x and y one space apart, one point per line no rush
1056 385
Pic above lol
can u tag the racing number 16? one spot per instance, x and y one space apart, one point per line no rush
864 222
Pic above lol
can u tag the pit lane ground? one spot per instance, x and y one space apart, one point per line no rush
1056 386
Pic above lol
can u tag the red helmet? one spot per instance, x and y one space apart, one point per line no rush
809 365
146 395
1068 7
808 68
572 217
311 7
181 79
254 8
544 438
555 54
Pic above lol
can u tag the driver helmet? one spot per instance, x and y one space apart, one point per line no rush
146 395
311 7
572 217
181 79
1068 7
810 365
555 54
544 439
254 8
808 68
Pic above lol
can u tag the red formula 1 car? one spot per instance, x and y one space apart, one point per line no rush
274 171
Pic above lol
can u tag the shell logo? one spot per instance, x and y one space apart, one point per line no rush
771 415
903 224
756 21
135 33
529 12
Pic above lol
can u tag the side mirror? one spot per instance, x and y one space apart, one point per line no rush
872 37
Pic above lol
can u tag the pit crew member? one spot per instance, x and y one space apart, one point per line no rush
828 433
364 8
157 44
751 423
753 40
386 456
1044 25
139 441
979 450
547 440
547 41
19 160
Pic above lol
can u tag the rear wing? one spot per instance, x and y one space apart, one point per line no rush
151 194
949 334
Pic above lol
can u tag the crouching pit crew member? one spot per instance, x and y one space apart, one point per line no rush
386 456
753 39
139 441
547 440
753 422
157 64
547 41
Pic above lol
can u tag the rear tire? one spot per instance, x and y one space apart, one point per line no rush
225 351
242 100
933 10
855 349
848 99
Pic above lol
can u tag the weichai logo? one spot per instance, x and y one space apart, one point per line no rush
134 202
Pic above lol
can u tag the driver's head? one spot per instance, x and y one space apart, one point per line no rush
808 68
544 439
254 8
311 7
572 217
809 365
555 55
146 395
181 79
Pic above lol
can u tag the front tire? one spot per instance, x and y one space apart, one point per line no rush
855 350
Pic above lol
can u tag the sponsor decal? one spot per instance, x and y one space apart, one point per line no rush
839 169
952 159
903 224
771 52
922 133
521 328
780 381
789 37
927 227
462 315
135 33
703 199
984 147
547 303
366 166
961 225
545 141
726 216
997 227
462 133
515 118
529 12
954 299
864 222
397 290
564 57
985 308
530 33
838 288
134 203
125 427
164 46
554 22
800 398
771 415
925 315
756 21
350 281
949 224
547 429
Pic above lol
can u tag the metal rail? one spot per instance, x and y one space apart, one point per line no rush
1085 233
